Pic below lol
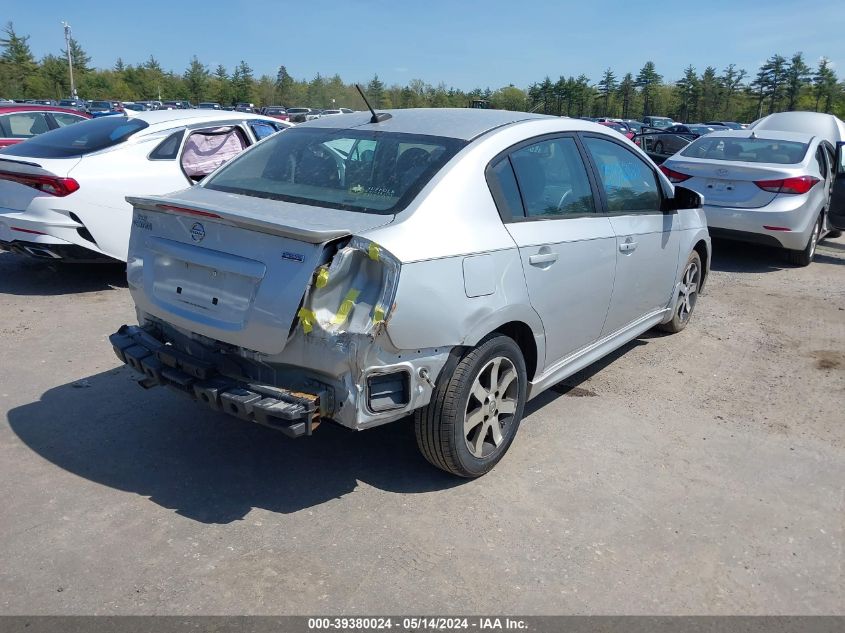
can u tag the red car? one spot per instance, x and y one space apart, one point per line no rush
277 112
21 121
619 127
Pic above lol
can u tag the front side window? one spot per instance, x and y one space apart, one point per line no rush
262 129
357 170
629 183
206 150
552 179
23 124
76 140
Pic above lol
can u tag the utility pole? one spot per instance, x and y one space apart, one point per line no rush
69 59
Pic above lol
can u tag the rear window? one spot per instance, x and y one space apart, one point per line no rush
748 150
356 170
82 138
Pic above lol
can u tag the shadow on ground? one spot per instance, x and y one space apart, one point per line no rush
20 275
205 465
572 386
739 257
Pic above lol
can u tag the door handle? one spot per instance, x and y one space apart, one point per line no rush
542 258
628 247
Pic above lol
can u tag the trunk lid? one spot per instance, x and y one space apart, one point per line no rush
231 267
730 184
15 196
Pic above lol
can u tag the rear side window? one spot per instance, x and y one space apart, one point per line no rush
629 183
505 191
23 124
747 150
820 160
76 140
552 179
168 149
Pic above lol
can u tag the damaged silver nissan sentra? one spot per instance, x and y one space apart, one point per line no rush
450 264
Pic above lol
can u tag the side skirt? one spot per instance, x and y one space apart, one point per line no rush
587 356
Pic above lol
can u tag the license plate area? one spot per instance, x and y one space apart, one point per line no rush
218 295
720 186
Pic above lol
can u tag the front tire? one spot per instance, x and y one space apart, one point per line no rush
687 295
804 257
475 410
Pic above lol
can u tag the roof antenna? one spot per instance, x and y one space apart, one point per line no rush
376 118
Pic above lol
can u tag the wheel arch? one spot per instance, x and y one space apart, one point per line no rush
524 332
701 247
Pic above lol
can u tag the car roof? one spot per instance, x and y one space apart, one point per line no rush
827 126
164 117
31 107
461 123
775 135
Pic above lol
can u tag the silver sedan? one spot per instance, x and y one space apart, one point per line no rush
447 264
763 186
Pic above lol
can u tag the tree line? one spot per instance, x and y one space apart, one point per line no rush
781 83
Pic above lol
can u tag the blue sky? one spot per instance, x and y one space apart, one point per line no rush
464 43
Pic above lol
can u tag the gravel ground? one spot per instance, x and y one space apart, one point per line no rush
700 473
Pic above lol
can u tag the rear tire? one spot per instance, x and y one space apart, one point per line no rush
804 257
687 295
475 410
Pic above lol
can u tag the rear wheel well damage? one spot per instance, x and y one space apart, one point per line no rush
523 336
701 249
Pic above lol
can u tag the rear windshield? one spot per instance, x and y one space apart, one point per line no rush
748 150
365 171
75 140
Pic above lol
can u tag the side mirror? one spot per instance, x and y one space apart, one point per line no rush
684 199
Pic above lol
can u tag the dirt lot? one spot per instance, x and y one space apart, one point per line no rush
698 473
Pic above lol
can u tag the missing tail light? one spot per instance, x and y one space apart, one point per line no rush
354 292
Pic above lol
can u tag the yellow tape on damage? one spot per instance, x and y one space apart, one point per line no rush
373 251
322 278
378 314
307 318
346 307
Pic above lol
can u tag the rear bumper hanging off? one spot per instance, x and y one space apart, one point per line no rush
293 413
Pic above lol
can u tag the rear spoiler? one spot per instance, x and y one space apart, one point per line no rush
243 219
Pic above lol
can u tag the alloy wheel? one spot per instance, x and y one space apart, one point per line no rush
689 291
491 406
814 238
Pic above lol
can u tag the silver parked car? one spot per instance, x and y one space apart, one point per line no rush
763 186
450 264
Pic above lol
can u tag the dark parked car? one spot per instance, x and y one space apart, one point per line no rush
277 112
731 125
298 115
676 137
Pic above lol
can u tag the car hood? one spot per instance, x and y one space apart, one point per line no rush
299 221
